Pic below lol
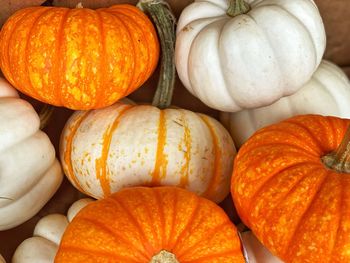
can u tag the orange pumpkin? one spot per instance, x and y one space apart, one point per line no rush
150 225
78 58
287 187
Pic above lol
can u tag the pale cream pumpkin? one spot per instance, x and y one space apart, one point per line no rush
42 247
327 93
237 61
255 252
125 145
29 172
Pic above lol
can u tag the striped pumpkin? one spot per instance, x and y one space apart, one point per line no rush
126 145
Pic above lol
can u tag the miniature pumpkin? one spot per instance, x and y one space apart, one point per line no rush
42 247
234 55
78 58
125 145
149 225
291 188
328 86
29 172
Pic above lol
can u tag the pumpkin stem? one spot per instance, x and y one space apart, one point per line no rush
340 159
45 115
164 257
237 7
165 22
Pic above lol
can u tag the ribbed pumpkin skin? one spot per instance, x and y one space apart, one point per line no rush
297 208
135 224
124 145
327 93
78 58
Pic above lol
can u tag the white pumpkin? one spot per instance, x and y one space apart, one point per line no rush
124 145
252 59
327 93
42 247
255 252
29 172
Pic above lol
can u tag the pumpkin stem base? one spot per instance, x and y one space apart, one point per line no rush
164 257
339 160
237 7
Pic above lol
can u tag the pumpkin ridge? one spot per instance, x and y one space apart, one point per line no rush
260 189
26 52
146 244
161 158
81 250
132 47
144 73
187 139
208 235
304 214
217 162
57 66
7 68
103 76
114 234
338 229
307 130
171 240
188 223
101 162
303 151
142 17
68 153
156 237
161 217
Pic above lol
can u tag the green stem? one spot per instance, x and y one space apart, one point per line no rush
339 160
45 115
237 7
164 257
165 21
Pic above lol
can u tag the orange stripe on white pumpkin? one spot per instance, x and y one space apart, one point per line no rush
101 163
161 163
187 153
68 152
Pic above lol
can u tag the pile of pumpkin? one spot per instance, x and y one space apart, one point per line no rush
158 170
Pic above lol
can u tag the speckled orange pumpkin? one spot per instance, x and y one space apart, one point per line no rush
150 225
78 58
286 193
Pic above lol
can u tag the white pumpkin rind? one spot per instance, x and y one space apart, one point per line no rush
43 246
246 61
327 93
255 251
29 172
177 149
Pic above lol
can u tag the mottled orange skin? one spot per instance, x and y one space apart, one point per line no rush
135 224
78 58
297 207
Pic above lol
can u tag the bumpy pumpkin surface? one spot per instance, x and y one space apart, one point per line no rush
124 145
136 224
297 207
78 58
